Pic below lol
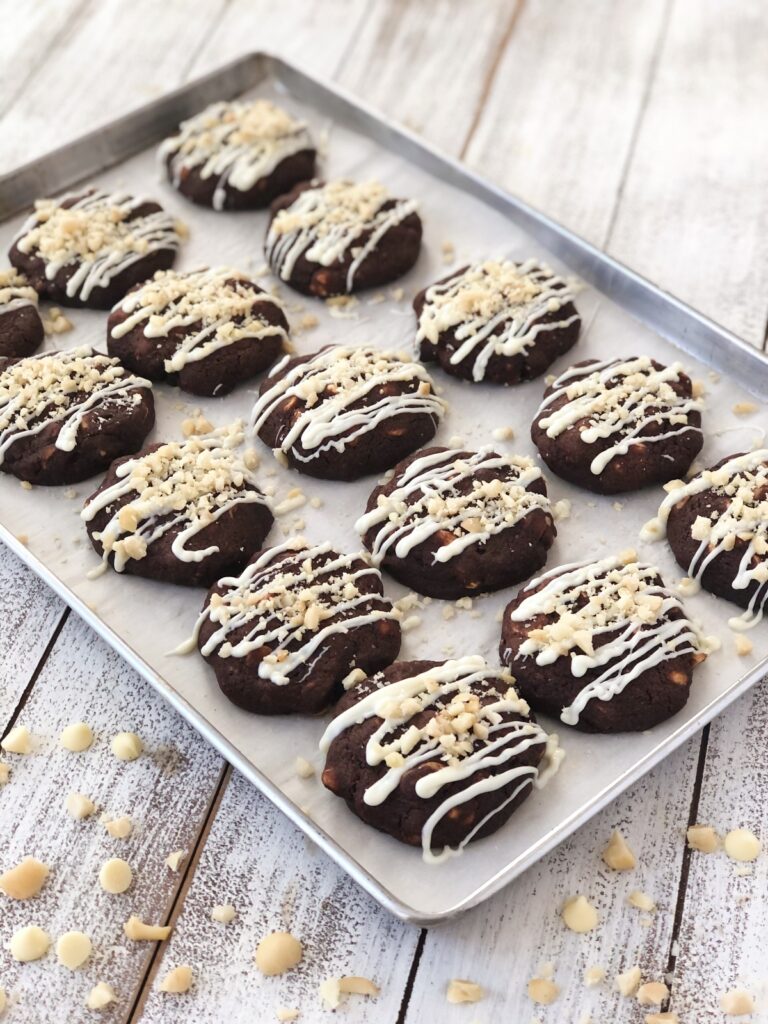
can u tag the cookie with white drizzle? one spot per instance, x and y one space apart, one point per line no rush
436 754
21 329
182 512
605 646
450 523
299 619
65 416
238 155
342 237
497 321
89 248
205 330
342 413
618 425
717 528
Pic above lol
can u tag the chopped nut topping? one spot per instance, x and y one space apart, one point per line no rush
18 741
542 991
617 855
278 953
25 880
703 838
463 992
579 915
629 982
742 845
652 993
737 1003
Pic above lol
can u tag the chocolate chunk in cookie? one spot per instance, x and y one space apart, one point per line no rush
451 523
89 248
205 330
603 645
21 329
64 416
238 155
619 425
497 321
436 754
182 512
343 413
341 237
284 635
717 527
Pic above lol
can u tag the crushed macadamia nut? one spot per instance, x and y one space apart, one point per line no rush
223 913
126 746
29 943
100 996
76 737
463 992
304 769
742 845
579 915
178 980
115 875
542 991
669 1017
743 645
286 1013
79 806
18 741
5 773
652 993
332 989
593 976
737 1003
278 953
703 838
176 859
136 930
617 855
629 982
641 900
118 828
73 949
25 880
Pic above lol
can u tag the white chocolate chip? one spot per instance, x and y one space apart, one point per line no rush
100 996
223 913
18 741
29 943
73 949
703 838
579 915
593 976
25 880
463 992
118 828
304 769
652 993
629 982
115 875
136 930
178 980
617 855
79 806
76 737
278 953
126 746
737 1003
641 900
742 845
332 989
542 991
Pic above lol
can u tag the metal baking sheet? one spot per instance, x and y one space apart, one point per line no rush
622 314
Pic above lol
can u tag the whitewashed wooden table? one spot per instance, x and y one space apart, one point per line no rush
641 126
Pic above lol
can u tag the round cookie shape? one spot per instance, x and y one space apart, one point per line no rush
342 237
605 646
21 329
65 416
89 248
238 155
451 523
436 754
343 413
284 635
205 330
620 424
497 321
717 527
182 512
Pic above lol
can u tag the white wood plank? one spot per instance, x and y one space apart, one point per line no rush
166 791
694 213
277 881
504 943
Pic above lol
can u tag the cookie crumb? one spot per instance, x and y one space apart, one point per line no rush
284 1013
224 913
178 980
460 991
25 880
79 806
744 408
742 845
18 741
115 875
593 976
76 737
737 1003
175 860
617 855
579 915
100 996
277 953
542 991
629 982
702 838
304 768
641 900
73 949
652 993
136 930
126 746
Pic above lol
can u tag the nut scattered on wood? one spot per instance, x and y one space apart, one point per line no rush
79 806
278 953
703 838
76 737
178 980
641 900
460 991
25 880
100 996
223 913
118 828
617 855
593 976
176 859
304 769
18 741
629 982
73 949
135 929
737 1003
542 991
286 1013
5 773
126 746
742 845
579 915
332 989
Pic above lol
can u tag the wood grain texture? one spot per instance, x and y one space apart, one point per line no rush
166 792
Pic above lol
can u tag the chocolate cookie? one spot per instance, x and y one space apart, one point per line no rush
182 512
206 330
717 527
603 645
283 636
21 329
64 416
89 248
436 754
341 237
619 425
343 413
497 321
238 155
451 523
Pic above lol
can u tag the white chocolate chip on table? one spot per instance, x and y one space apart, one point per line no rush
118 828
126 746
29 943
332 989
73 949
177 981
100 996
224 913
18 741
136 930
703 838
542 991
76 737
742 845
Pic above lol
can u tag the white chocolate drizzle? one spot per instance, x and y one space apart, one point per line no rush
292 600
237 143
96 234
618 400
331 384
60 387
214 307
491 295
432 496
610 616
184 486
468 736
15 291
743 479
324 221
